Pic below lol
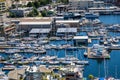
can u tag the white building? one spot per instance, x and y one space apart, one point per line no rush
80 4
27 24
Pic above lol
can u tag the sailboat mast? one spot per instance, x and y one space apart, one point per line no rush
104 67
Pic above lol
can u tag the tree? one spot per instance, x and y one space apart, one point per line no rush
63 1
36 4
91 77
12 15
30 4
33 13
44 13
17 3
13 6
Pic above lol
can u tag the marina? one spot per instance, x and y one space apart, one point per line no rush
57 40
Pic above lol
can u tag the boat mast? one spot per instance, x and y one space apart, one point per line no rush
116 71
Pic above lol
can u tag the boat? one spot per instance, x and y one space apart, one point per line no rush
90 15
115 40
53 62
85 53
97 21
16 56
10 62
2 58
8 67
92 34
66 62
3 76
39 51
23 62
82 62
117 12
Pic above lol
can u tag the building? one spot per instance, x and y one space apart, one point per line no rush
80 4
62 8
80 40
7 29
37 32
21 12
67 24
65 32
21 2
34 26
2 5
72 76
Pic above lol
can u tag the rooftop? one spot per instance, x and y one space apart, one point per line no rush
34 23
34 19
44 70
37 30
2 0
14 75
67 21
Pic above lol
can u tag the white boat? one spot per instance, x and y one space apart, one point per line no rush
117 11
53 62
82 62
85 53
8 67
91 34
3 76
90 15
17 56
115 40
96 21
39 51
66 62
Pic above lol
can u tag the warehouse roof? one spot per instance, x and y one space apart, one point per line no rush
38 30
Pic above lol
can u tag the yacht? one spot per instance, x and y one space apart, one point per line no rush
117 11
17 56
85 53
82 62
8 67
90 15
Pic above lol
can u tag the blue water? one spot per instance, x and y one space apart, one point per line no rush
110 19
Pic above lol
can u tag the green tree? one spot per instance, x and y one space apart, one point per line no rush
30 4
12 15
36 4
91 77
44 13
63 1
33 13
